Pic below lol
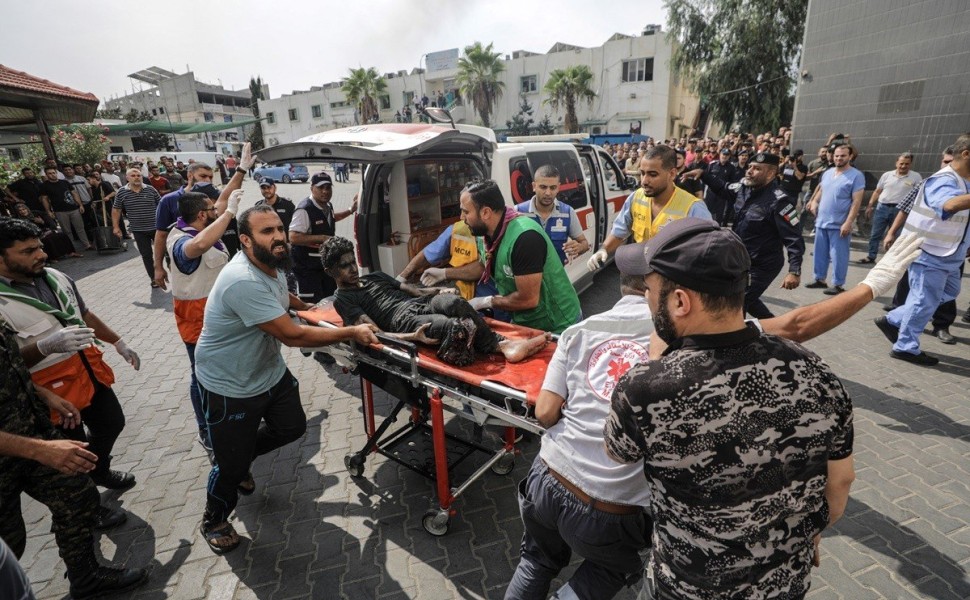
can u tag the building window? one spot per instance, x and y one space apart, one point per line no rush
638 69
271 118
154 112
529 84
161 110
316 111
339 104
385 102
294 115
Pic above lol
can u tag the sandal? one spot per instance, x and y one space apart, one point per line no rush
247 486
222 538
866 261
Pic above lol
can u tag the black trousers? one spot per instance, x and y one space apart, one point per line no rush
241 429
104 421
761 278
440 311
943 317
314 285
145 240
72 499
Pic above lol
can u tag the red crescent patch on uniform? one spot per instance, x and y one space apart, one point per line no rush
608 362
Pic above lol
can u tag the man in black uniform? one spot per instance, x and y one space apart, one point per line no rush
722 169
283 207
36 460
691 186
313 223
766 220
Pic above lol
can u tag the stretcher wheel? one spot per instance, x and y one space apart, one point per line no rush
354 464
504 465
435 522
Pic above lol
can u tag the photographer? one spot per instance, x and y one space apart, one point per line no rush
792 173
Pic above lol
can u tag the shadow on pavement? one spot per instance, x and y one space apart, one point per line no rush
913 416
918 560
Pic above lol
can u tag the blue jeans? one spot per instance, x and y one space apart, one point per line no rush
556 524
882 218
831 247
929 287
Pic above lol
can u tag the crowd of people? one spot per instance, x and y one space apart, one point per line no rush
691 442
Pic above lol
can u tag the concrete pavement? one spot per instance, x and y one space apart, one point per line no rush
312 531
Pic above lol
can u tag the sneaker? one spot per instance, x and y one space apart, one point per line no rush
888 307
114 480
835 291
106 580
922 359
108 518
866 261
888 329
943 334
324 358
966 317
818 285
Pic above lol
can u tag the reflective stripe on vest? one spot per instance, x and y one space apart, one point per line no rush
645 225
940 238
556 226
464 250
190 291
321 223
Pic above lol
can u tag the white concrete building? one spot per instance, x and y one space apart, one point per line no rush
632 80
181 99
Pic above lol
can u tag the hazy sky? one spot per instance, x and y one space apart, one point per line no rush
93 46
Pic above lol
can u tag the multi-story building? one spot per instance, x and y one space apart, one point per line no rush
182 99
631 77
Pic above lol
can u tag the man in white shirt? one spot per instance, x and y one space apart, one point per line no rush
893 186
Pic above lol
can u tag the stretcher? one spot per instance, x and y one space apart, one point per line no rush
488 392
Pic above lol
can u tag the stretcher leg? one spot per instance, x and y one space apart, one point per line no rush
436 521
355 462
367 399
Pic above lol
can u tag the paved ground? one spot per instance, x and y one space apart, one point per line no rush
312 531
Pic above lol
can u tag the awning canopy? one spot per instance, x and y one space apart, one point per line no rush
176 128
25 98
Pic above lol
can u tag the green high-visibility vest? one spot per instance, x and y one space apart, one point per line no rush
558 306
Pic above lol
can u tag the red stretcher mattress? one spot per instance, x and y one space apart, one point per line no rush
525 376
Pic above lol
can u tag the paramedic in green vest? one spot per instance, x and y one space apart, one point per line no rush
517 254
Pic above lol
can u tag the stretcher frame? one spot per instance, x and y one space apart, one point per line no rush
511 409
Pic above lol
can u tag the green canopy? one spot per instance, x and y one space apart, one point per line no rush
176 128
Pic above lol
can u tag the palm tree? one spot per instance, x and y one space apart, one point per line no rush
362 88
565 87
478 79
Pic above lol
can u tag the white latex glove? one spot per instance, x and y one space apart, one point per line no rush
432 276
130 356
232 205
70 339
481 302
883 277
248 159
597 260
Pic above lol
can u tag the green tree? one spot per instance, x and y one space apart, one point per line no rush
255 95
522 122
567 86
72 143
145 141
740 56
362 89
478 79
108 113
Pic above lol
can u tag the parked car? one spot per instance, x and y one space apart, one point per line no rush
285 172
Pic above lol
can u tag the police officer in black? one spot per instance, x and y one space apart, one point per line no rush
766 220
724 170
314 222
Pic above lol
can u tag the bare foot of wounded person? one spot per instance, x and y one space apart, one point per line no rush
519 350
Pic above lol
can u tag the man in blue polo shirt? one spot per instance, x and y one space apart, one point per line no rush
556 217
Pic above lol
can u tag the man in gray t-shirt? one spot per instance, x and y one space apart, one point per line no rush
251 401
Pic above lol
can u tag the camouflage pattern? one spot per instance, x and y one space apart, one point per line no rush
735 432
72 499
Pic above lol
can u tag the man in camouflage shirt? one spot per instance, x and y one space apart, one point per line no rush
36 460
746 438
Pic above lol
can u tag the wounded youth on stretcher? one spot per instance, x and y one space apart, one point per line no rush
425 315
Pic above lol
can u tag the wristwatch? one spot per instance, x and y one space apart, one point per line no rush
241 170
